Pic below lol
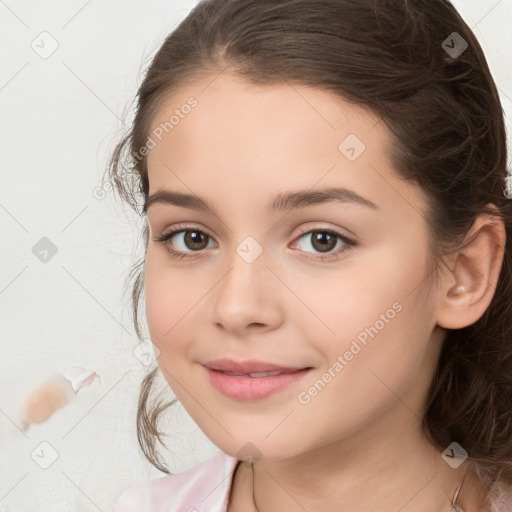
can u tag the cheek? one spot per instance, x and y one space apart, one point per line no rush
394 332
374 311
342 302
372 366
171 300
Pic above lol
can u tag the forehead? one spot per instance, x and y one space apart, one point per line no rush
236 108
271 138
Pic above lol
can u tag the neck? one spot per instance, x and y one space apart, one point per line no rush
416 480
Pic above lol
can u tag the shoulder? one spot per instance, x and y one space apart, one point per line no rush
205 487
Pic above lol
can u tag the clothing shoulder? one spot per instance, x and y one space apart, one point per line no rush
205 487
502 502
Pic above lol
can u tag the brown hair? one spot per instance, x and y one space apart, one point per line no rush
447 123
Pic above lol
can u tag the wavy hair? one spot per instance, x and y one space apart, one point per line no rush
447 123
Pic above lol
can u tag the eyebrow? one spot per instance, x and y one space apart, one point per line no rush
282 202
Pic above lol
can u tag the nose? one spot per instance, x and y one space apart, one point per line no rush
248 298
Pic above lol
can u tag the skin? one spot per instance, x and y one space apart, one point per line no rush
358 442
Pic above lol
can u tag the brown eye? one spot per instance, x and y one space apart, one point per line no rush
195 240
323 240
183 242
324 243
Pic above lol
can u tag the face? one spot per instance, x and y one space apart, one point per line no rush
335 285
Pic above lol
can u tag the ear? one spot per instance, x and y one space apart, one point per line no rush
468 288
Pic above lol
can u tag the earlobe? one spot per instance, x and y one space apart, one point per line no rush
468 289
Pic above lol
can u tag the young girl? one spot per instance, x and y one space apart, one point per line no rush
327 271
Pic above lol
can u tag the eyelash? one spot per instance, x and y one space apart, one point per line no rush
166 236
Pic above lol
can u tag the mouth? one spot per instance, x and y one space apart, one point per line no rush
251 368
256 375
254 385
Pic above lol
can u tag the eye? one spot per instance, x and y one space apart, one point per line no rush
190 238
183 242
325 241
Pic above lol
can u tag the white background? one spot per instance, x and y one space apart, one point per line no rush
60 118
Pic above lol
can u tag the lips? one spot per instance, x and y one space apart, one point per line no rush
252 380
254 374
250 368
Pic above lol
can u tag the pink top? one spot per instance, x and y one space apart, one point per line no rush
206 488
503 502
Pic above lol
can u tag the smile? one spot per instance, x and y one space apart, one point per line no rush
254 385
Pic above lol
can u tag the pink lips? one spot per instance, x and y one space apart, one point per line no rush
248 380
